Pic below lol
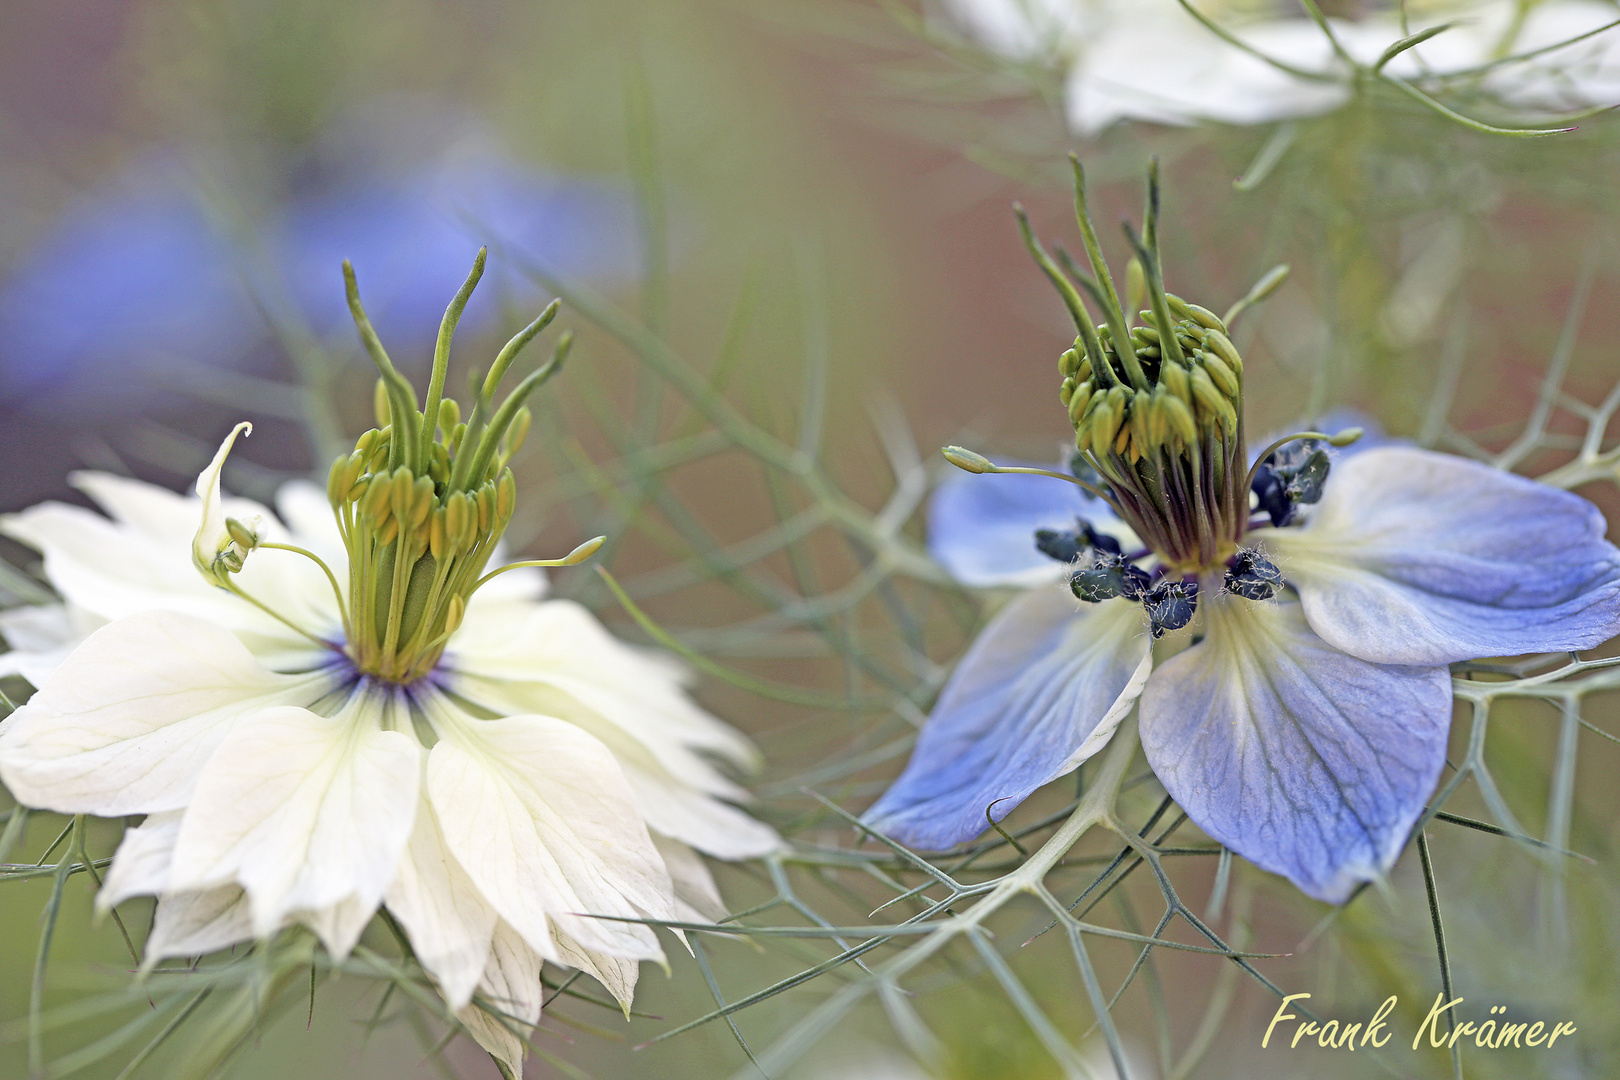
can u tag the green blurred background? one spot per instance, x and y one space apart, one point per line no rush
179 179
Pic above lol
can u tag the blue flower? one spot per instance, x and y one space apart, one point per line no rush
1283 627
1304 731
137 274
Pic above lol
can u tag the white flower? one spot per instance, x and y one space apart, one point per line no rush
492 766
1151 60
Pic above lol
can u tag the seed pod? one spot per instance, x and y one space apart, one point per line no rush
1223 375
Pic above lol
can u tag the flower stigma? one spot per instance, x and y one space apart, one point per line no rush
421 502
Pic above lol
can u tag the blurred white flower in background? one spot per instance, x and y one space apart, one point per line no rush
1152 60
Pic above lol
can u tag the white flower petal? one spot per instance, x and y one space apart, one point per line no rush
540 816
694 817
127 723
694 885
339 926
303 811
559 643
616 974
41 636
449 922
140 866
140 560
511 985
198 923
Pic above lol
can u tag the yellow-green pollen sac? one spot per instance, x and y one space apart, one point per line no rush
1156 401
423 499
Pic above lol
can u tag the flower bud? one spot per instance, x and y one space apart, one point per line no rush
967 460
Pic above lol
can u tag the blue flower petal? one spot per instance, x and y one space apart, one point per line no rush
1414 557
1307 762
981 526
1041 690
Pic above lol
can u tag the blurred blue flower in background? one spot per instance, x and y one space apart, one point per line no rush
146 271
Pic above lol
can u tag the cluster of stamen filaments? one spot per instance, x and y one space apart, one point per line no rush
424 498
1157 404
1166 431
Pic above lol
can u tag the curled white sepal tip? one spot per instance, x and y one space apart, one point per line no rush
221 545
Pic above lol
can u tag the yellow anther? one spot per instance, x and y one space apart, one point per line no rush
455 520
336 489
454 612
1179 417
438 535
505 498
449 415
1205 317
1079 402
1174 378
401 491
377 503
1222 375
486 506
421 500
518 432
241 534
1223 347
